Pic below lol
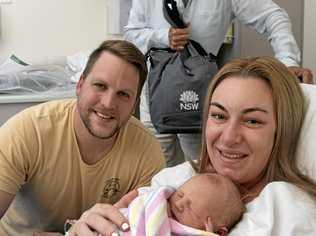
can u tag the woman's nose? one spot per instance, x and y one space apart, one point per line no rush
231 134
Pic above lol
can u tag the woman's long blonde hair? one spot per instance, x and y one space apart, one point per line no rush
289 106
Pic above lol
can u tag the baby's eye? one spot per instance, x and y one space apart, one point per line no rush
180 194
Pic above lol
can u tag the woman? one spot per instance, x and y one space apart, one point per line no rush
275 122
252 120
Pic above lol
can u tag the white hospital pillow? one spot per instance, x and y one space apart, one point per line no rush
307 143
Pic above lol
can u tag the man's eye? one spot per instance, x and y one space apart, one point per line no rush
124 94
99 86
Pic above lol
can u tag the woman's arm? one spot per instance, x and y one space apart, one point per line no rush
280 209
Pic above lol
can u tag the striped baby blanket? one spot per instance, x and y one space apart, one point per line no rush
147 215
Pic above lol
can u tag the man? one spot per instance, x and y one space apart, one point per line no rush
208 22
60 158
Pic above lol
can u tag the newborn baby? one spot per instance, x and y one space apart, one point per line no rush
204 205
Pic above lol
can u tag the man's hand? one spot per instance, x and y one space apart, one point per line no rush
126 199
305 75
103 219
178 38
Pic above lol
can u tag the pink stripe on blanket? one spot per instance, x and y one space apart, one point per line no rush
164 229
141 226
180 229
158 199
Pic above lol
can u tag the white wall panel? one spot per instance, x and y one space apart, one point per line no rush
309 38
39 29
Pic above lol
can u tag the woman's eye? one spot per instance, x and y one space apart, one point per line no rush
217 116
253 122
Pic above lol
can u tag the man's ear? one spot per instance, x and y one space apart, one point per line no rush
136 105
79 85
222 231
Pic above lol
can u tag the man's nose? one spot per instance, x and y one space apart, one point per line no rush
108 99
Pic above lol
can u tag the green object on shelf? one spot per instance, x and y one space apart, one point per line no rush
18 60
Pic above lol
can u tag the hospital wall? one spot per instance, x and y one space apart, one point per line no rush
309 36
36 30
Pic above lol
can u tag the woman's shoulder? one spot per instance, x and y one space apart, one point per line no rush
280 209
173 176
282 193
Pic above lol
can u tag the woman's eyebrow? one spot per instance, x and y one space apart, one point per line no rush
247 110
255 109
216 104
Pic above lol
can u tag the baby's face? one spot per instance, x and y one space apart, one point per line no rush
191 203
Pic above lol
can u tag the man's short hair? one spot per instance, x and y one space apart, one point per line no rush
124 50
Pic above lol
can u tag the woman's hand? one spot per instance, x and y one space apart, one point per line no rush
103 219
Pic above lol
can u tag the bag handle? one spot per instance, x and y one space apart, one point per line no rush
172 15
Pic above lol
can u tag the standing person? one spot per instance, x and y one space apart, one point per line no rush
60 158
208 22
249 137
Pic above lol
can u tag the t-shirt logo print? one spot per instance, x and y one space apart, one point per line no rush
189 100
112 186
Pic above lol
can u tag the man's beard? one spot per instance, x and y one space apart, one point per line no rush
87 124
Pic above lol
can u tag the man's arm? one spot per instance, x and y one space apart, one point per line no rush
5 201
140 32
269 19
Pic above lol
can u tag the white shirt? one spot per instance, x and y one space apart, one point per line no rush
280 209
209 21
